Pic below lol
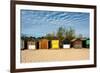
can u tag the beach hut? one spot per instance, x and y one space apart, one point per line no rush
66 43
22 44
86 43
31 44
55 43
77 43
43 44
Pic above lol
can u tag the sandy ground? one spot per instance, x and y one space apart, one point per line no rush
43 55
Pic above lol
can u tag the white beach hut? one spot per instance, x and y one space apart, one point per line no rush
66 43
31 44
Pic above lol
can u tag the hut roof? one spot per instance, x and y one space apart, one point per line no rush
75 39
65 41
31 40
43 39
85 39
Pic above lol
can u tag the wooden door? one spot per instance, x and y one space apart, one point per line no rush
43 44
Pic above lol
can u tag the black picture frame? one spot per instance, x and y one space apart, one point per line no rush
13 34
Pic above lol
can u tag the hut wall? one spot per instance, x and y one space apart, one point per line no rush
37 45
22 44
49 44
84 43
87 43
25 45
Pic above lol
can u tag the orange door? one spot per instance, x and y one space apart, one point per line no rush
43 44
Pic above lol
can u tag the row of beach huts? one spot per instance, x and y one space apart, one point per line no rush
54 44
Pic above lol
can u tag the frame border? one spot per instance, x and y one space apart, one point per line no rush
13 34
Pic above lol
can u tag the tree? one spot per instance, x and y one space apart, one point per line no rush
30 38
80 36
60 33
27 38
50 36
70 34
23 37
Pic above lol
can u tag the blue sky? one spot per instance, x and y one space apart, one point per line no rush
38 23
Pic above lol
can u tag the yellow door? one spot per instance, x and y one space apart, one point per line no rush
55 44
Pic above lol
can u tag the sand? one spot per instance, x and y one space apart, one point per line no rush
44 55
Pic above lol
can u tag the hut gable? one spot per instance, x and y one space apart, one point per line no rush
22 44
31 42
65 41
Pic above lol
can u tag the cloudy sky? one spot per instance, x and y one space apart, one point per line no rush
38 23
